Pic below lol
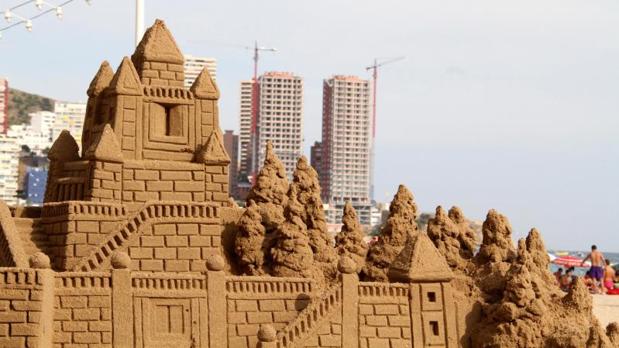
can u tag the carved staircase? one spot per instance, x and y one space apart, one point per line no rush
149 212
319 312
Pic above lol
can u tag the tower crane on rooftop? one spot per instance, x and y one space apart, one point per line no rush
378 62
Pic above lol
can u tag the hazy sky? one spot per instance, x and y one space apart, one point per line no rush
510 105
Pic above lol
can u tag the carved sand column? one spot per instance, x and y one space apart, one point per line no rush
122 306
217 316
350 302
42 264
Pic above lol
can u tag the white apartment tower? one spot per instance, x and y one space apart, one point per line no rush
245 127
346 146
9 162
69 116
194 66
280 118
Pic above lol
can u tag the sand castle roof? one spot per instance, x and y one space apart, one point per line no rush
102 79
419 260
204 86
126 80
158 45
106 148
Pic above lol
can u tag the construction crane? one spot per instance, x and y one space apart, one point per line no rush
374 67
254 107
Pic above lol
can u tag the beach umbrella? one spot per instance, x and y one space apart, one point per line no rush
570 261
552 257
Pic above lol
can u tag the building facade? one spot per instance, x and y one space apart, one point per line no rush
346 146
231 143
245 126
9 162
70 117
193 66
280 118
316 156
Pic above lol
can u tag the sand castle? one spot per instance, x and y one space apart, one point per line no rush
139 245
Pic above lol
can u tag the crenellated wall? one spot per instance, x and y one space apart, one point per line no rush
384 315
83 310
123 308
253 301
25 307
75 228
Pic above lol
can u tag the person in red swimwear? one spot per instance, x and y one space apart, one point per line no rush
609 276
597 266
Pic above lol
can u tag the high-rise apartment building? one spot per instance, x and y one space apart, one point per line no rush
245 128
346 146
69 116
4 105
231 144
280 118
194 65
316 156
9 163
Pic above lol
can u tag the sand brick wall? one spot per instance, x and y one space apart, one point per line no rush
328 334
75 228
127 106
23 308
189 182
162 74
82 310
252 301
105 182
70 181
384 315
175 247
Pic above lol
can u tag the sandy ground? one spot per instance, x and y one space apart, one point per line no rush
606 308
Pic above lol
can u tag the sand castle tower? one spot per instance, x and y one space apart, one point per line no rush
147 142
145 137
432 306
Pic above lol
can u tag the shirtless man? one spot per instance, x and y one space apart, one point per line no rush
597 266
609 276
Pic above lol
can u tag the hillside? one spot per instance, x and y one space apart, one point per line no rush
21 103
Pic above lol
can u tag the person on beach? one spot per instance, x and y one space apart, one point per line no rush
609 276
558 274
565 283
597 266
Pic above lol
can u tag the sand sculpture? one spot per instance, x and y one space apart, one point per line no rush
139 245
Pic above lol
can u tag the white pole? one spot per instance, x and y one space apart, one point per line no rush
139 20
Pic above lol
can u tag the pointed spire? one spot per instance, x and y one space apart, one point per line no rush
106 148
126 80
213 152
204 87
419 260
64 149
102 79
157 45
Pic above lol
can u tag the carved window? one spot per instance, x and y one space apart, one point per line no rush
174 121
434 327
431 296
168 120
